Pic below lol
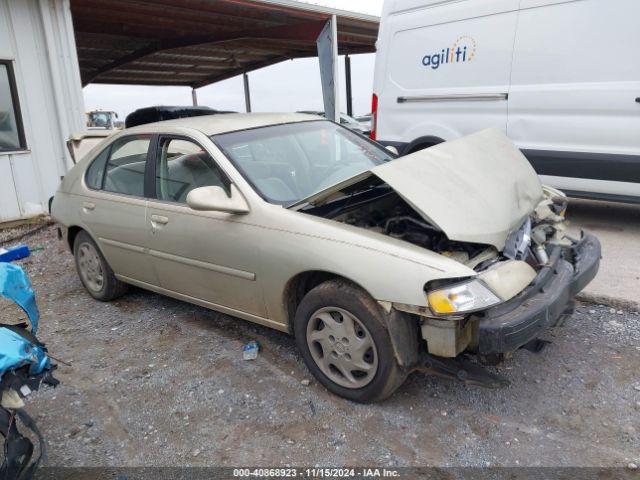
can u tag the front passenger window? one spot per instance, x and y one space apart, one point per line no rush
125 168
183 165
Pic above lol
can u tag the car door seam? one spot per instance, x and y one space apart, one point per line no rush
124 246
206 265
313 236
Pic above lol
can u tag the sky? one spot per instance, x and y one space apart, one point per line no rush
288 86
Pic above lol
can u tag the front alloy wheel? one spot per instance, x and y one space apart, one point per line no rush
341 333
342 347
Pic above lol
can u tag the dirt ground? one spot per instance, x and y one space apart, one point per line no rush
158 382
617 226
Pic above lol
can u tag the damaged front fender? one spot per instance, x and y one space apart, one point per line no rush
404 331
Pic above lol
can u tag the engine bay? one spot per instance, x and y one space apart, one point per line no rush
375 206
390 215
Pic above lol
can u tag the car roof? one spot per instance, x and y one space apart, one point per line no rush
228 122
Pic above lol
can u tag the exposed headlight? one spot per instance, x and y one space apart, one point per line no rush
462 297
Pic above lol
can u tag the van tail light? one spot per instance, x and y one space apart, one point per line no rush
374 116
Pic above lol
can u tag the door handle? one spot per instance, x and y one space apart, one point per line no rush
159 219
637 99
88 205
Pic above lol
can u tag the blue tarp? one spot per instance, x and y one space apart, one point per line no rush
16 351
15 286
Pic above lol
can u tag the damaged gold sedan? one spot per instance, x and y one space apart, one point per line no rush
378 265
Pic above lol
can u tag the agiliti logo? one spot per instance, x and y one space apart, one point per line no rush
463 50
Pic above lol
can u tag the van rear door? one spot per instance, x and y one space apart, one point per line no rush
443 68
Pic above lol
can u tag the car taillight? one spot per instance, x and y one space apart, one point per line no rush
374 116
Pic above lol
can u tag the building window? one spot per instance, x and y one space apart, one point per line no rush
11 131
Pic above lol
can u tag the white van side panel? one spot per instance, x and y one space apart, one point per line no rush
443 67
574 84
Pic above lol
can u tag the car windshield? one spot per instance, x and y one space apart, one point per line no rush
288 163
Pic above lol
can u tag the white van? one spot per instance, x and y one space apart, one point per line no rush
561 78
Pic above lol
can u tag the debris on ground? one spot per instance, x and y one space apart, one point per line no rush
14 253
250 350
24 367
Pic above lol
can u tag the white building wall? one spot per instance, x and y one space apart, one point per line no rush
37 35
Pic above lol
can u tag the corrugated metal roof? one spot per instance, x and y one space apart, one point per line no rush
198 42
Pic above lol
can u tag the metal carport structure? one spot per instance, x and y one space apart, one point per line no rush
198 42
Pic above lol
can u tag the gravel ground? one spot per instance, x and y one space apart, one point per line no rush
155 381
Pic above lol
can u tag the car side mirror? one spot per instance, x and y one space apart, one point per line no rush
215 199
393 150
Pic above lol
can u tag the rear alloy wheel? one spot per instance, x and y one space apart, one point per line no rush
90 268
341 333
94 271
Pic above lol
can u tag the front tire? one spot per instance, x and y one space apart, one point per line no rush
94 271
341 333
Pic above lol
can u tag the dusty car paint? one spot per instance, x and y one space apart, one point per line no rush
244 258
290 243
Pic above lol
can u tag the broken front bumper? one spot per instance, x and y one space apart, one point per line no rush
510 325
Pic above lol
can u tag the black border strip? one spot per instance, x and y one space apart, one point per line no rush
344 472
607 197
595 166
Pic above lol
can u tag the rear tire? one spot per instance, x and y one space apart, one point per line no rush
340 331
96 275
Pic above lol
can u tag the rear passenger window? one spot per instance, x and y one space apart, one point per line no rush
183 165
95 172
125 168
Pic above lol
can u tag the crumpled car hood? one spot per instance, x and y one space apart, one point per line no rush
475 189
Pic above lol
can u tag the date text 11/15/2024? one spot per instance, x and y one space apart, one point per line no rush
315 472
